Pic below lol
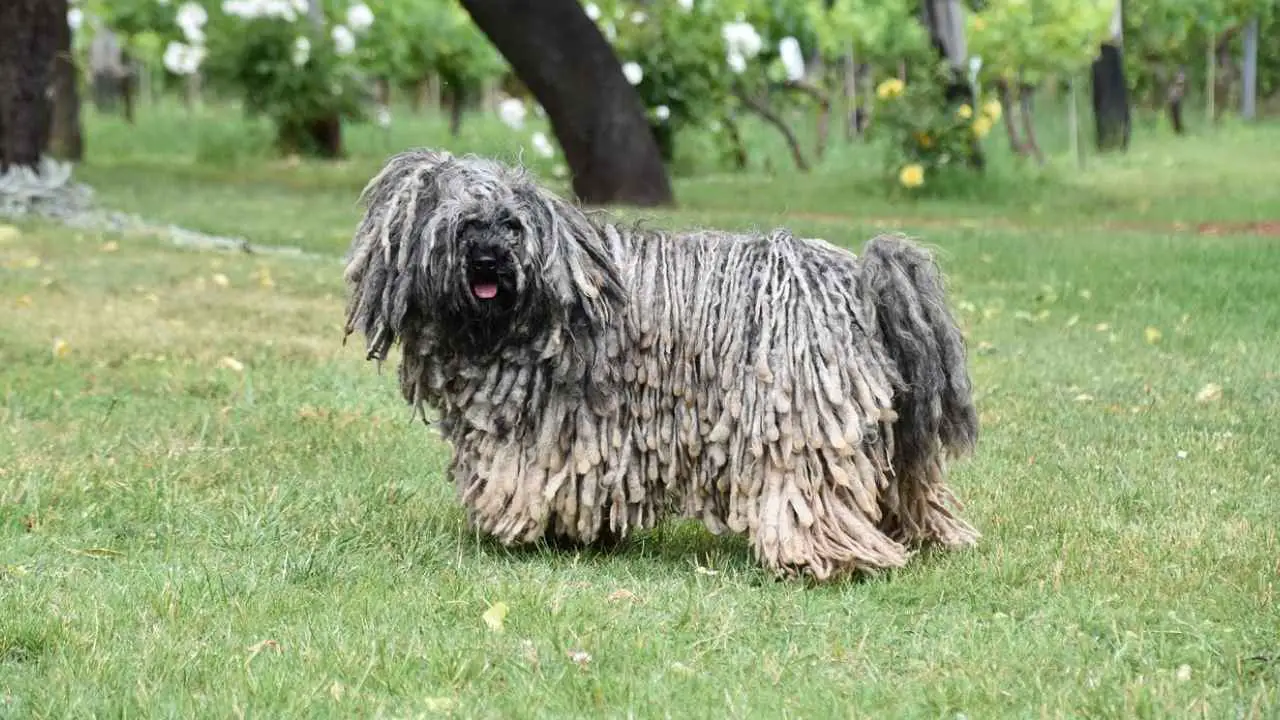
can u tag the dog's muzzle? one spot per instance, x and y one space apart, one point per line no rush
489 273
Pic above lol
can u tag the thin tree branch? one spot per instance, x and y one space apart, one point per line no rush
762 109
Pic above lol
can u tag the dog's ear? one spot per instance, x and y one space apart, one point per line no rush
389 243
578 261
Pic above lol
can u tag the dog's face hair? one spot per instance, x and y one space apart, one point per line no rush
477 255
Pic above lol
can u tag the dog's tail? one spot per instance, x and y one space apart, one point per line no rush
902 296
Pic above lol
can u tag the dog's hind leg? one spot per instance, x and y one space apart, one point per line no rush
901 291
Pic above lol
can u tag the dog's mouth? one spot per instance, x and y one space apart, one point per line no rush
485 277
485 284
484 289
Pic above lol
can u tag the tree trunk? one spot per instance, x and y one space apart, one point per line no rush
1176 91
945 21
564 60
66 140
316 137
1110 93
320 136
1010 126
1026 108
1110 100
30 31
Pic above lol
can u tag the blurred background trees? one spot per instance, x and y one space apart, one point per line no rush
604 93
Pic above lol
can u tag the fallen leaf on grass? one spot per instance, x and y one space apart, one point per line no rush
96 552
264 278
337 690
24 301
221 280
1084 397
622 594
1184 673
1102 327
9 233
439 704
61 348
257 648
231 363
529 651
705 571
495 615
579 657
1209 393
110 247
1182 454
1152 335
1071 321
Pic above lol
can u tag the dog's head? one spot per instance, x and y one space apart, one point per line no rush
475 254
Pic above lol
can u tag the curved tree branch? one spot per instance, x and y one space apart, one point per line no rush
762 109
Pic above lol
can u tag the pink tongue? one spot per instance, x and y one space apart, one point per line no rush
485 291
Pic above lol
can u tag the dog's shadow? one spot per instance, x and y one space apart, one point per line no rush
674 546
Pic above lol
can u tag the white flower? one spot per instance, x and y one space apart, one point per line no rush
742 43
512 111
75 17
301 51
542 145
182 59
288 10
359 17
244 9
593 11
662 112
792 58
191 18
687 5
633 72
384 116
638 17
344 41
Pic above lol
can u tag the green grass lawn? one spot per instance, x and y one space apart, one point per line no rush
210 507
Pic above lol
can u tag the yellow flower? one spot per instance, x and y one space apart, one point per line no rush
911 175
890 88
61 347
979 24
964 111
992 110
982 126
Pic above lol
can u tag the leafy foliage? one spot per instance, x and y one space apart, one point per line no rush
924 136
289 66
414 39
1035 38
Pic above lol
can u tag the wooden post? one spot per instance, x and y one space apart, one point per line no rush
1210 76
1249 71
1073 122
